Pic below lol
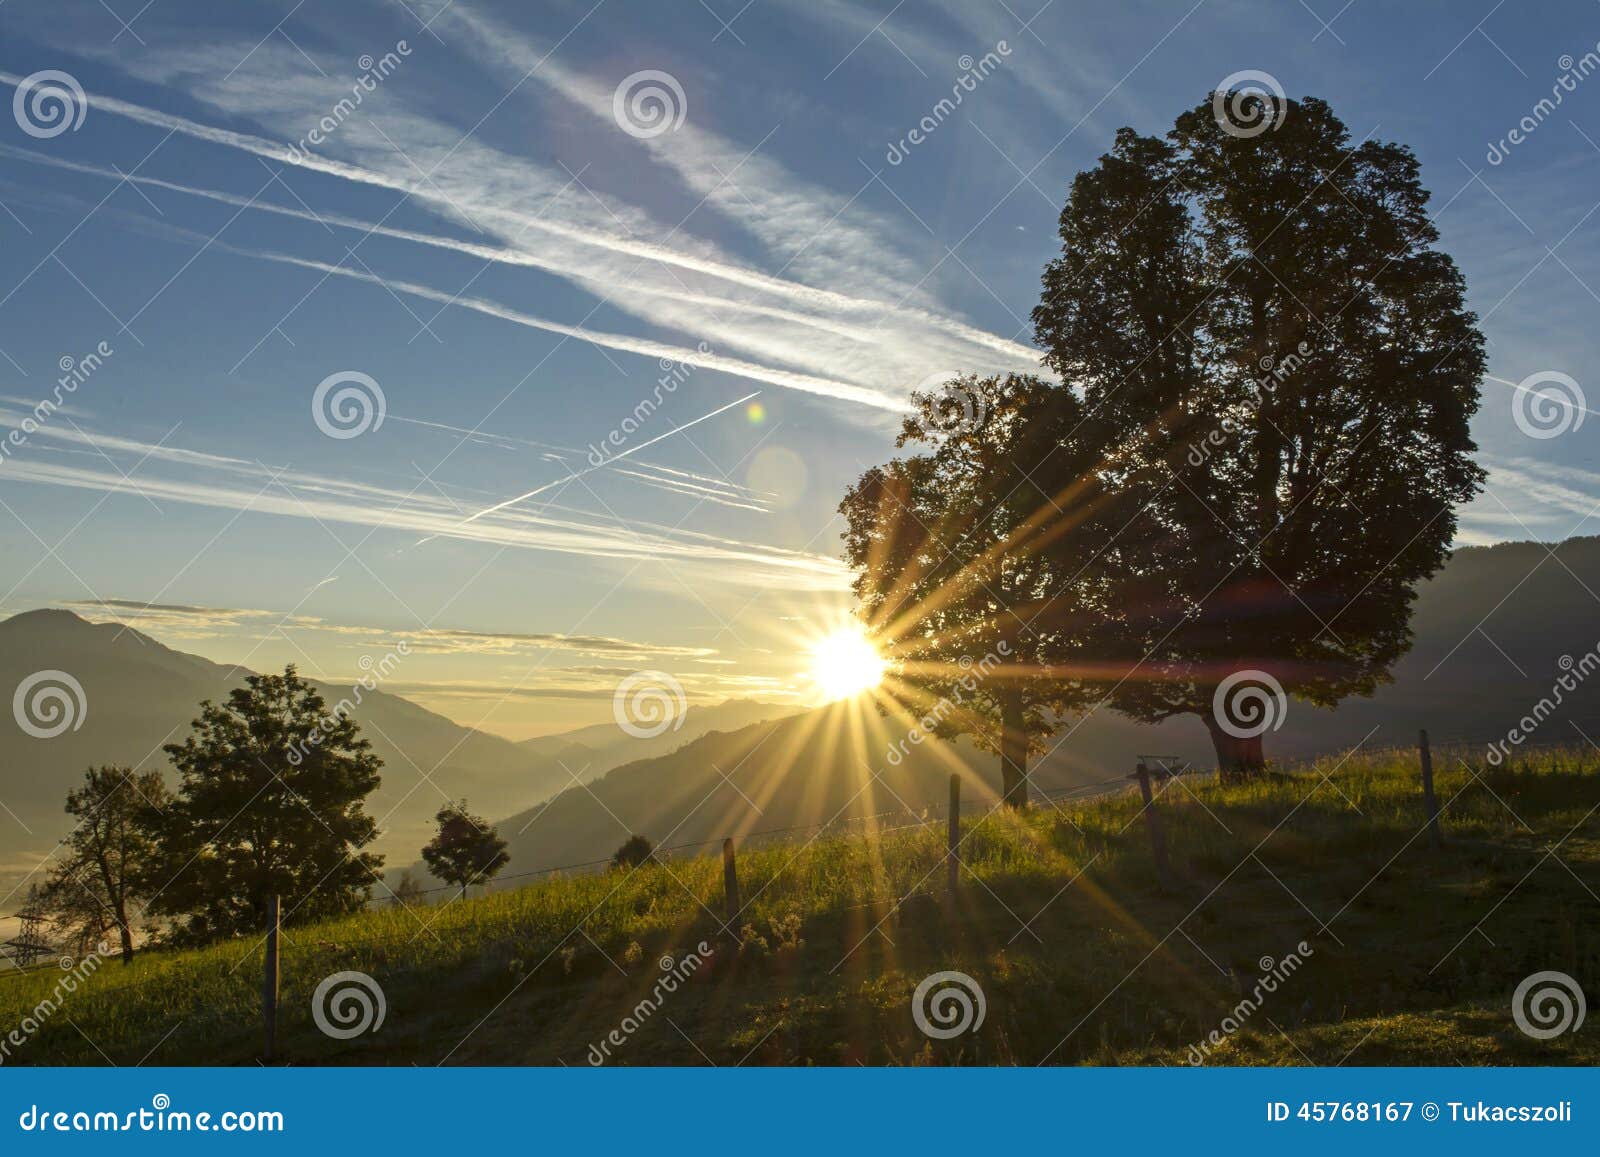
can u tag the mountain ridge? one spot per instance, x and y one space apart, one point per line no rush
1492 632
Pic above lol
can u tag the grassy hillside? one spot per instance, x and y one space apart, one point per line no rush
794 772
1457 681
1412 955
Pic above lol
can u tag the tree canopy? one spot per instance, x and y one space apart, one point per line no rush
270 803
1282 370
1253 455
964 567
108 868
466 850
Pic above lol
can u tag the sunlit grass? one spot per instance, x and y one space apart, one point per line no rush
1110 967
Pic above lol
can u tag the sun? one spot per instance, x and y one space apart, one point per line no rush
845 663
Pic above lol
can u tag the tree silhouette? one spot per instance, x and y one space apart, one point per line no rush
466 850
269 804
962 567
108 867
635 850
1281 372
407 890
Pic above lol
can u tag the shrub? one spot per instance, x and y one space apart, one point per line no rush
635 851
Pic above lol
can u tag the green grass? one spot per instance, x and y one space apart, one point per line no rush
1414 952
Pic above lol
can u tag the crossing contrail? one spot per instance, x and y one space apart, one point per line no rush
590 469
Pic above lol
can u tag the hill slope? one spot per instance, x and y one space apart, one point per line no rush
594 750
1404 955
1491 631
140 694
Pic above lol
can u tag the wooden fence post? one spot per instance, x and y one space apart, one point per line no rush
1429 800
730 886
953 860
269 979
1158 843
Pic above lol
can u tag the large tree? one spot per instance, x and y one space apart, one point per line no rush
107 869
1281 370
963 569
270 803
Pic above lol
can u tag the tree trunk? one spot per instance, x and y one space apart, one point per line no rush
116 889
1013 750
1238 759
119 908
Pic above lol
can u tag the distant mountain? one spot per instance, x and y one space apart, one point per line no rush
801 770
139 695
1491 633
1494 630
594 750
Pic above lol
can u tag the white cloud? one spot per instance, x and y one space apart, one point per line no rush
539 219
202 479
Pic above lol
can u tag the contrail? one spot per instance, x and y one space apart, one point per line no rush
806 383
504 256
608 461
1560 399
716 489
795 291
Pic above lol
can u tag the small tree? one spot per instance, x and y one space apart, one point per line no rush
407 890
466 850
270 803
111 855
964 567
634 851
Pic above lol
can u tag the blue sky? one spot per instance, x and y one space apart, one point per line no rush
517 272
